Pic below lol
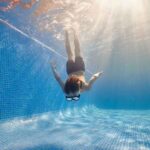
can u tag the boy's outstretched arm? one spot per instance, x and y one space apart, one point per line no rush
93 79
57 76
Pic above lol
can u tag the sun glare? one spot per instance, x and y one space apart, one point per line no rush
125 5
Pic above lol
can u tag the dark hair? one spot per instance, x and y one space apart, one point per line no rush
72 85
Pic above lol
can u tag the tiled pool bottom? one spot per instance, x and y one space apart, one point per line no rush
86 128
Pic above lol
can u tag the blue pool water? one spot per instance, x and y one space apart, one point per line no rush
114 114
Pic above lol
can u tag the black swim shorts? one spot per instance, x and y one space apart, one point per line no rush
74 66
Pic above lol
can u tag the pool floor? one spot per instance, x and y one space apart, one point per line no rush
78 128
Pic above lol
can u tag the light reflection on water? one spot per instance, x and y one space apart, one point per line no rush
79 128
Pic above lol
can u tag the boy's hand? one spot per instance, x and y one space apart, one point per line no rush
53 65
97 75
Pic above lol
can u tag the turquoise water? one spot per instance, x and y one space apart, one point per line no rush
114 114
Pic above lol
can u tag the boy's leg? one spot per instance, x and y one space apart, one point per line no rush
77 45
79 62
68 47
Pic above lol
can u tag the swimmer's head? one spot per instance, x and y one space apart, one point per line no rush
72 86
